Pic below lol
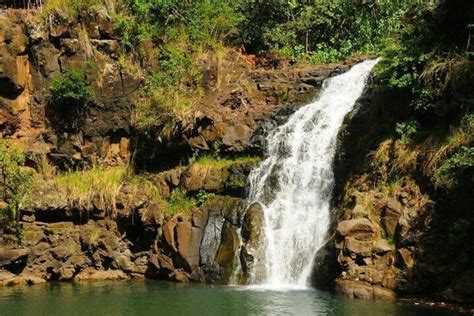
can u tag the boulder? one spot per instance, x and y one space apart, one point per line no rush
203 177
405 258
382 246
390 216
10 279
252 233
97 275
189 239
9 256
359 247
359 228
461 289
363 290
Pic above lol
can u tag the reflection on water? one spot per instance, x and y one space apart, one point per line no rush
161 298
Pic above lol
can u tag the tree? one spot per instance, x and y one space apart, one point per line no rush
15 180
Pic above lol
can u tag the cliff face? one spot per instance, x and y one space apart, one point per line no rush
34 54
129 233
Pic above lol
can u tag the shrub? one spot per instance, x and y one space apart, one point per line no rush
15 181
71 89
459 168
407 131
322 27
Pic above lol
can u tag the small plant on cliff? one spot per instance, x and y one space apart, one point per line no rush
456 168
407 131
71 89
202 196
179 203
71 94
15 181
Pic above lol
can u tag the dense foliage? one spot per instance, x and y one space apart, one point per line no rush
427 63
173 37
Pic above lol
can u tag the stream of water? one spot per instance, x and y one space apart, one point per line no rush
294 183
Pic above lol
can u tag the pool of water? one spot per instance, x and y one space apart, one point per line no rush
162 298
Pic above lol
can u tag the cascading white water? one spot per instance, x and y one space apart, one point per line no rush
295 182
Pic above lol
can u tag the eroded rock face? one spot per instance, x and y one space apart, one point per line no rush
201 246
137 242
251 256
230 179
31 56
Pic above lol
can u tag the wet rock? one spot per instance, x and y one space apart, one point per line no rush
96 275
10 279
220 241
252 233
363 290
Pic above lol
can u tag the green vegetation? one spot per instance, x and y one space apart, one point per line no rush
426 64
179 202
82 187
71 9
15 181
210 160
175 39
99 187
320 31
180 33
71 90
407 131
457 169
422 43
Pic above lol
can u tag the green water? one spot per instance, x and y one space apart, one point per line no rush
160 298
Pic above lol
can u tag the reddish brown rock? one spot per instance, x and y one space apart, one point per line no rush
95 275
391 214
363 290
360 229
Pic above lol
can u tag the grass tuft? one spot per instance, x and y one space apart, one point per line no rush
219 163
96 184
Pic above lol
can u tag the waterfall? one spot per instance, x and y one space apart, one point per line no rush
294 183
